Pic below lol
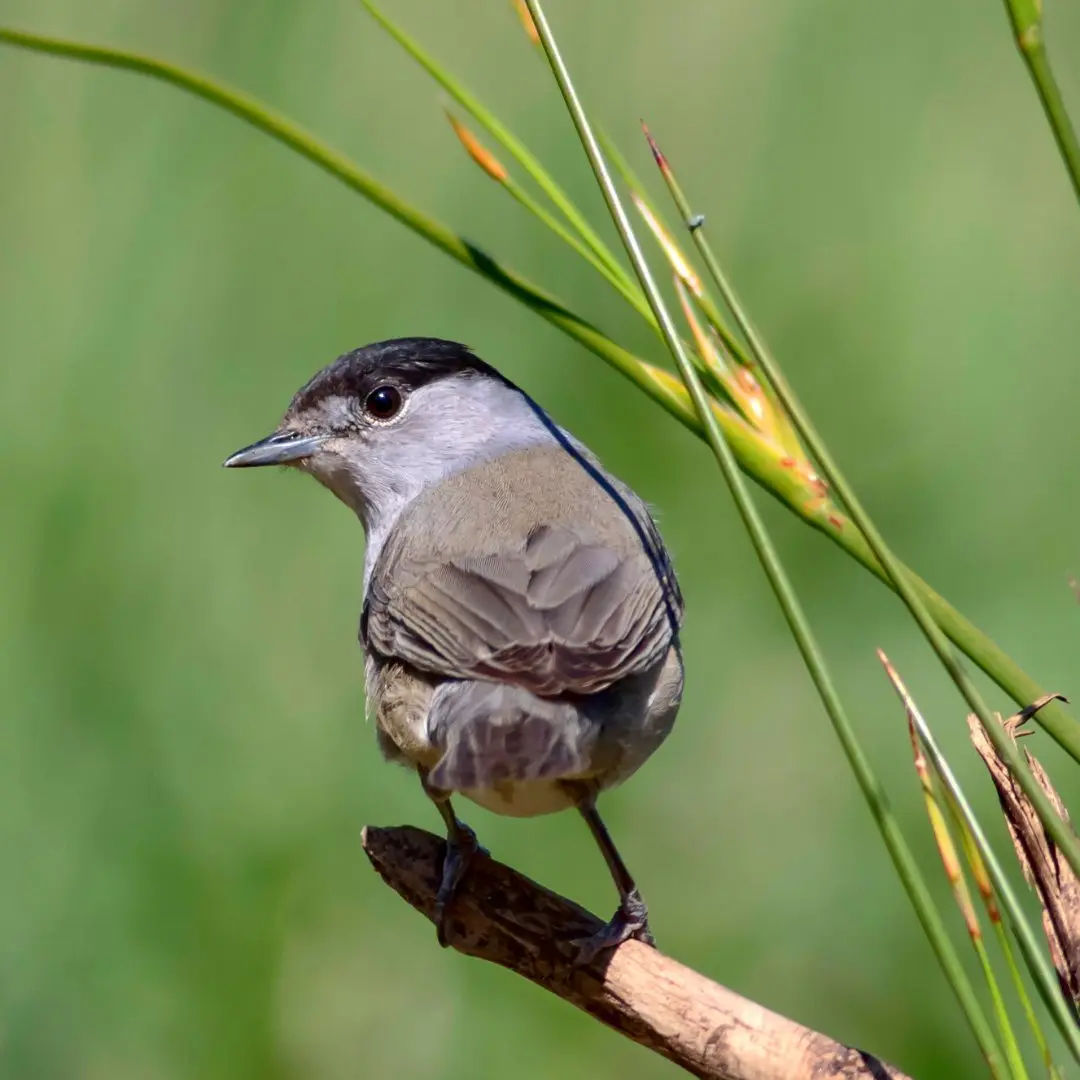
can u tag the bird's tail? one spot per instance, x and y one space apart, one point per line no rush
492 734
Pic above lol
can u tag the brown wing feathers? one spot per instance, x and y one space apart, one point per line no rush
558 616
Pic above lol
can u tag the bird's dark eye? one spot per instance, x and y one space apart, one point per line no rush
383 403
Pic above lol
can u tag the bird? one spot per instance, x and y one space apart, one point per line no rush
520 615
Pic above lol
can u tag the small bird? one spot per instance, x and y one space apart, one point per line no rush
520 617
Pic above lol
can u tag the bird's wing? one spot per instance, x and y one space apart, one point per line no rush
553 613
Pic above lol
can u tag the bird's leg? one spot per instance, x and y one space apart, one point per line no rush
461 846
631 920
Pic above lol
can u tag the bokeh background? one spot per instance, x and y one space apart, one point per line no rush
184 763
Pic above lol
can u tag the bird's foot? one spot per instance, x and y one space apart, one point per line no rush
630 921
460 850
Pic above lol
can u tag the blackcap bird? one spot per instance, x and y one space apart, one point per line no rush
520 613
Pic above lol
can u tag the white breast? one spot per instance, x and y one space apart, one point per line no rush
527 799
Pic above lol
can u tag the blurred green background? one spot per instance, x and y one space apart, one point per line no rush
184 763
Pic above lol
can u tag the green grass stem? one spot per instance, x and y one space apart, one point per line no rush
1063 728
754 456
1042 972
708 306
506 138
1027 21
785 594
632 296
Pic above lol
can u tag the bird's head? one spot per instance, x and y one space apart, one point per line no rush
382 423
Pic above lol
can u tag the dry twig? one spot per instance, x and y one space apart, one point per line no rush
502 916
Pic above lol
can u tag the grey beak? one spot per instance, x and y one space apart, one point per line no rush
277 449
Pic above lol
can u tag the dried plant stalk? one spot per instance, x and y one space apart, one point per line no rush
1046 871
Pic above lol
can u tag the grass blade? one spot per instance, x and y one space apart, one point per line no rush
1067 734
736 383
993 912
764 410
659 384
954 872
785 594
498 172
655 220
524 157
1027 22
1038 965
527 22
755 457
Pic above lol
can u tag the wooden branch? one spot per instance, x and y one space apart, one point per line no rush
501 916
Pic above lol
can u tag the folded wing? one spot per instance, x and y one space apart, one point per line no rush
551 613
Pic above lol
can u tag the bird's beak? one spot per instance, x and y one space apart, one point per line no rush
277 449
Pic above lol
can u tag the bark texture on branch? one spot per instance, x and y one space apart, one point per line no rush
502 916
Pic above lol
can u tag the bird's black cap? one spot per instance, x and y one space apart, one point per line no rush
407 362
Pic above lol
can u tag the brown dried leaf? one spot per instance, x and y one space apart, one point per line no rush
1044 868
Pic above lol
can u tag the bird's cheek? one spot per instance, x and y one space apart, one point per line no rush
339 475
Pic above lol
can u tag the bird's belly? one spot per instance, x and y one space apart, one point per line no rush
526 798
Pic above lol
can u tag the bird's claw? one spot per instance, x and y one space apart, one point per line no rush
460 851
630 921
